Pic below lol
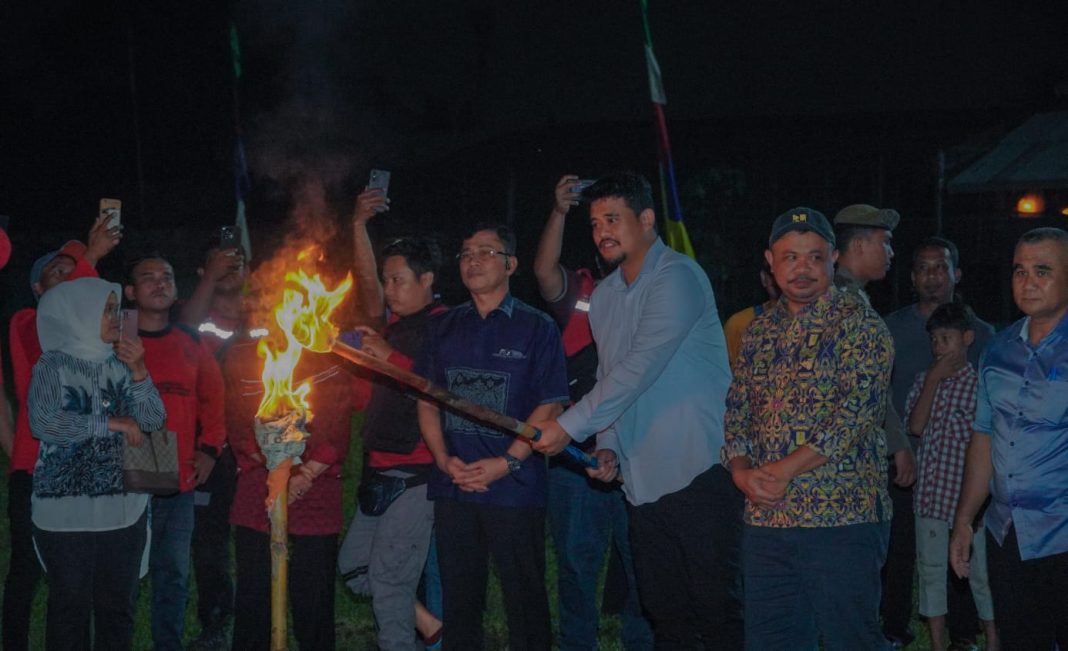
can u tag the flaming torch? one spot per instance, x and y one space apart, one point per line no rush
304 318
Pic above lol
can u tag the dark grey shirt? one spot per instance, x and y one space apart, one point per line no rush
912 348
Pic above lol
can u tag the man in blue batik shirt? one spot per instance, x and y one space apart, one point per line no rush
489 488
1019 454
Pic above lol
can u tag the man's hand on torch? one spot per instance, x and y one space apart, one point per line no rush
607 466
553 438
374 344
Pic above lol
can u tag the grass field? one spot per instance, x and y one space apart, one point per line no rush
355 628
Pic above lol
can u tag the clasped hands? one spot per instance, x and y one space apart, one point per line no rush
765 486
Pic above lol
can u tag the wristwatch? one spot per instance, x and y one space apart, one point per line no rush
513 464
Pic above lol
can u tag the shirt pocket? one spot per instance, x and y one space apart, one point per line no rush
1051 397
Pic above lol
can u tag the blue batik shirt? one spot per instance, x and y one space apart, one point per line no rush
1023 404
511 361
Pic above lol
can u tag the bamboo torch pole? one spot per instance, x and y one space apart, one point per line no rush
449 399
279 517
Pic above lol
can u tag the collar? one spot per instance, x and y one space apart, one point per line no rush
825 308
652 256
155 334
1059 332
507 305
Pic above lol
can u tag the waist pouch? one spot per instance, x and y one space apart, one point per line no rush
377 491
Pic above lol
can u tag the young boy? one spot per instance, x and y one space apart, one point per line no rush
940 408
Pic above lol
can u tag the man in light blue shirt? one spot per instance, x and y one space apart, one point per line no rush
657 409
1019 455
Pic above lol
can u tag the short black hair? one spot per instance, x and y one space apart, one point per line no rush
631 187
132 262
1044 234
504 233
422 255
936 242
846 233
953 316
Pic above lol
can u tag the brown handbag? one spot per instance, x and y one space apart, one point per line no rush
152 467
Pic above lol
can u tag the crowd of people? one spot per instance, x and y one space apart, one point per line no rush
776 482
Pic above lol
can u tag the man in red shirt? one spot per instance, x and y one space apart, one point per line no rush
73 260
190 384
214 310
315 510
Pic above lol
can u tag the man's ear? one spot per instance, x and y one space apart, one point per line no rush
37 289
969 337
200 272
771 261
426 279
647 218
128 292
956 276
510 264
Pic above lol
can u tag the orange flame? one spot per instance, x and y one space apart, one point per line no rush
304 318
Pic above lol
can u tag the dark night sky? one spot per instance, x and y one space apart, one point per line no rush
334 87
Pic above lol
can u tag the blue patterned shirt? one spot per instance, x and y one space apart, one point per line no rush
511 361
1023 405
820 379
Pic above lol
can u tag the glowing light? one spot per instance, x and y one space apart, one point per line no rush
1064 211
1030 204
304 319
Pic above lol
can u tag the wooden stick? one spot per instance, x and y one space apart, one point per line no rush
449 399
279 516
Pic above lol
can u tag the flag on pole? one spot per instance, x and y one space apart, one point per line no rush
675 233
241 178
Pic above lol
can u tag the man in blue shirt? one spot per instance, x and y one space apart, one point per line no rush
657 410
488 487
1019 455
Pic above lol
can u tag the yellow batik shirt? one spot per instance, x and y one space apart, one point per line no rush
818 378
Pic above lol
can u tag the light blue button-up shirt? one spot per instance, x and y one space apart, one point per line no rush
662 377
1023 404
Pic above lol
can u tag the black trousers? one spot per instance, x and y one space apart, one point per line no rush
211 545
311 590
686 548
1030 597
24 571
92 575
900 568
467 534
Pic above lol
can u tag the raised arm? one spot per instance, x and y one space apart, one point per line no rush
371 298
547 261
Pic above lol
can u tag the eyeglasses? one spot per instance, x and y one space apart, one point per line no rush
480 254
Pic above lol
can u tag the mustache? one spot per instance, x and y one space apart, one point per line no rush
608 239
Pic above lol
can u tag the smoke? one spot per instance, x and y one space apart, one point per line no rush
311 244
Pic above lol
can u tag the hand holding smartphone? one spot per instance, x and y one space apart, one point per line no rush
379 180
112 210
128 324
229 238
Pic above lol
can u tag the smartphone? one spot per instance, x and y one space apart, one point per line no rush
128 324
582 184
112 209
379 179
353 338
229 237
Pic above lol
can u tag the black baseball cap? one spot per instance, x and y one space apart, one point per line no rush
801 219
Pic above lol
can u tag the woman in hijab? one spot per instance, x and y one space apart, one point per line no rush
90 395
